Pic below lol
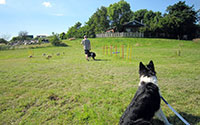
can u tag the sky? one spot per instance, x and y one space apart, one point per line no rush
42 17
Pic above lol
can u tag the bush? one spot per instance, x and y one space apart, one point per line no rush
3 41
55 41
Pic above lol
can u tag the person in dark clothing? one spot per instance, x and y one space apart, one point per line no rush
87 47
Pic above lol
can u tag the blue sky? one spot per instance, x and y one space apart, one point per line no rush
46 16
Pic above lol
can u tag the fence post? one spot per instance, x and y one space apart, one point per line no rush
127 52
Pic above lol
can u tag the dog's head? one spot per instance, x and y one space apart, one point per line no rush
92 54
147 73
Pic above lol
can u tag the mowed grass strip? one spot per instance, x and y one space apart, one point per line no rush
67 89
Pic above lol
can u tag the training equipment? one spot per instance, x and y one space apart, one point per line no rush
124 48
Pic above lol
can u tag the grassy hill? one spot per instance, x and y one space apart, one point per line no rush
67 89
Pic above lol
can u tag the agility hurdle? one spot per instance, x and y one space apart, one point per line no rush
122 46
111 50
124 51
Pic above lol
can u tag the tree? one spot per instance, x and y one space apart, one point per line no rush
15 39
23 35
87 30
98 22
62 36
101 20
90 25
55 40
2 40
149 16
73 31
119 13
181 20
151 20
139 15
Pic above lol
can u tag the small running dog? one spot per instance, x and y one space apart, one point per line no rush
92 54
146 102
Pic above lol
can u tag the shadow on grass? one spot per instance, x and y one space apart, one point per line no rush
102 60
193 120
62 45
157 122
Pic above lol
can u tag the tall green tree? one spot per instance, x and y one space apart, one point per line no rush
89 28
98 22
73 31
149 17
23 35
151 20
92 25
101 20
180 20
119 13
139 15
62 36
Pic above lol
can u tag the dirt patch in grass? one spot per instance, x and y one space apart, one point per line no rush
197 40
53 97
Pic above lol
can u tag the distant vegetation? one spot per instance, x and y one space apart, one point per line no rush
56 85
3 41
24 39
56 41
180 20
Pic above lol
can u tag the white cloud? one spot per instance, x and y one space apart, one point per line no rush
58 14
47 4
2 1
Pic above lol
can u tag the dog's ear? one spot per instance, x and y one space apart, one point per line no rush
151 66
142 68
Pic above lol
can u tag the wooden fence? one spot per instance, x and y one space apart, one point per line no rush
122 34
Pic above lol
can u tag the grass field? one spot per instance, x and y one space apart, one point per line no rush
67 89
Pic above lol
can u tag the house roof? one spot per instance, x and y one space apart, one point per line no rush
134 23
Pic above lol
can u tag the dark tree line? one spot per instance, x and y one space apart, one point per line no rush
179 21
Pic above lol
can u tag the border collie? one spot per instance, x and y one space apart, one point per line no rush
146 102
92 54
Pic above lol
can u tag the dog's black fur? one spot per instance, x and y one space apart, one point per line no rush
92 54
145 102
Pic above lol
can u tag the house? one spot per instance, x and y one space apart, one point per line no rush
132 26
29 36
41 36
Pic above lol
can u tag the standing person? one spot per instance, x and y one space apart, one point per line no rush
87 47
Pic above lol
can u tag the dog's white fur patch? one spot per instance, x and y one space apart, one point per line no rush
146 79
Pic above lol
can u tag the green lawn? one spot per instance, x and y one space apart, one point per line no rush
67 89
